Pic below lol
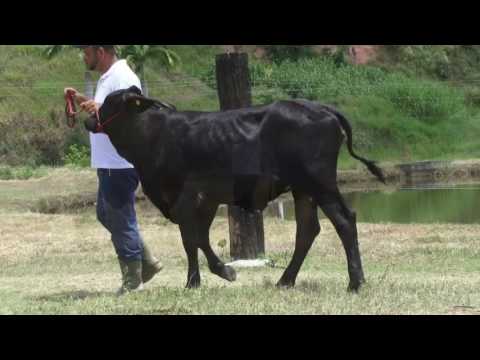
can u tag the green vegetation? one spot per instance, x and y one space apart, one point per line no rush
458 63
412 103
77 156
395 117
65 263
21 172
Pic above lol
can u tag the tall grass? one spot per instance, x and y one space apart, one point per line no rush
32 122
395 114
322 79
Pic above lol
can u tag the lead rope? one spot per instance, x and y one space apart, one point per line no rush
70 109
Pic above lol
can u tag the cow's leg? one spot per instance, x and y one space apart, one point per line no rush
308 228
195 215
207 213
185 214
190 243
216 265
344 221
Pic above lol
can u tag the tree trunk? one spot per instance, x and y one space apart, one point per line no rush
233 81
246 233
246 228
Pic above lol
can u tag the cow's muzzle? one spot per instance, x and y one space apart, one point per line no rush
92 124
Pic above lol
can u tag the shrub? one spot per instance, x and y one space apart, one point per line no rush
322 79
21 173
426 100
77 155
6 173
472 95
26 140
280 53
265 95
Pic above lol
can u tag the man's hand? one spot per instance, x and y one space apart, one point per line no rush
79 98
69 89
90 106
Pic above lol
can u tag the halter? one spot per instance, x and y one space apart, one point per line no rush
100 127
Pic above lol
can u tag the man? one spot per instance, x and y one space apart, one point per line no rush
118 179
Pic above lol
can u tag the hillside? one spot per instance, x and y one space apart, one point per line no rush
405 102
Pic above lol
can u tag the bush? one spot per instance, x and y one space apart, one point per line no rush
25 173
444 62
318 78
6 173
426 100
26 140
20 173
472 96
78 156
264 95
322 79
209 76
280 53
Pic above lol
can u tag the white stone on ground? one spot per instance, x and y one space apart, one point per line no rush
249 263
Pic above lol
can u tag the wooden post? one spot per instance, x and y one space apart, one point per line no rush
234 92
246 233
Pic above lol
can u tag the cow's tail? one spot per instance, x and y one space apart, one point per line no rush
372 167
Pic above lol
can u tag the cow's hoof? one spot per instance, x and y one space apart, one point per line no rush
193 283
228 273
224 271
354 287
285 284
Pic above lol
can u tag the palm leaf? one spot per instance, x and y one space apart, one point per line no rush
51 51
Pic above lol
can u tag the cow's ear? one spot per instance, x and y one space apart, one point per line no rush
137 103
135 90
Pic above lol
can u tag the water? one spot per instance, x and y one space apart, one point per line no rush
427 204
432 203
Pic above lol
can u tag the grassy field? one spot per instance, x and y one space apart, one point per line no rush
64 263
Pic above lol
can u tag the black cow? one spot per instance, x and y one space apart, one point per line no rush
190 162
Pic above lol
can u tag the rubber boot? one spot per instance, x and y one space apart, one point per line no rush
131 276
150 264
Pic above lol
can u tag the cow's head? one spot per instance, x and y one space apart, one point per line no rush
120 106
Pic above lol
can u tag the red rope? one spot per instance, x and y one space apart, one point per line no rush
71 112
101 127
70 109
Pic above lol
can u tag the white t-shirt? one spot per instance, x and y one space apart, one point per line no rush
118 77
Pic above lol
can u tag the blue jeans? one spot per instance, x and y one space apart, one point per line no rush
116 211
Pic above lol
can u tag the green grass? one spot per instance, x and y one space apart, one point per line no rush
49 190
22 172
34 85
309 298
84 281
64 263
394 116
397 115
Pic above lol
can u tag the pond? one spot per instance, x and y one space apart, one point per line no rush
427 203
420 204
